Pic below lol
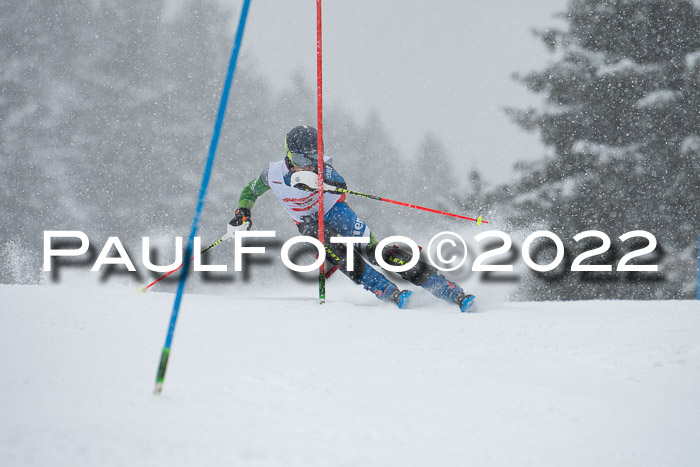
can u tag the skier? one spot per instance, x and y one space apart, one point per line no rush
293 180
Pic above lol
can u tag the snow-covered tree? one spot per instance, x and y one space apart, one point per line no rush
621 114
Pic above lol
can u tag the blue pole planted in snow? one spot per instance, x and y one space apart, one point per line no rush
202 195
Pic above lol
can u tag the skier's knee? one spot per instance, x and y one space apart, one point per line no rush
395 256
337 254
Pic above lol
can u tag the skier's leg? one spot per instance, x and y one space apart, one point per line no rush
362 273
424 275
346 223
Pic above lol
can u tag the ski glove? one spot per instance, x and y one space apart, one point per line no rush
241 221
308 181
309 225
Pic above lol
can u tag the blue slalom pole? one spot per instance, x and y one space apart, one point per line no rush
160 377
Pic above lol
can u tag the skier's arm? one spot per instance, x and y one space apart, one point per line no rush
333 178
250 194
308 180
253 191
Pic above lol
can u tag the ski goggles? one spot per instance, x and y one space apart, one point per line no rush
300 159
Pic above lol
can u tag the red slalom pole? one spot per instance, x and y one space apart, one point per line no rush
478 220
145 288
319 102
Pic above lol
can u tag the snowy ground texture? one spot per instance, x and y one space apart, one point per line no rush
274 379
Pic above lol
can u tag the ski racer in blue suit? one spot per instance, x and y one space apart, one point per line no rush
293 182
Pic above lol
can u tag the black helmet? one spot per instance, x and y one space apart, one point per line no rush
301 145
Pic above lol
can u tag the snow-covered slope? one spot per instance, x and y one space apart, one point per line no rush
272 378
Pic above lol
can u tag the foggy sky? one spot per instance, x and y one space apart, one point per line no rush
440 67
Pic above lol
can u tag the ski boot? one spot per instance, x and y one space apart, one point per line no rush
400 297
446 290
383 288
465 301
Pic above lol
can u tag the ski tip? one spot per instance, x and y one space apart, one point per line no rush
468 304
403 299
479 220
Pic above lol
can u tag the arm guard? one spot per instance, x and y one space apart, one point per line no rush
253 191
